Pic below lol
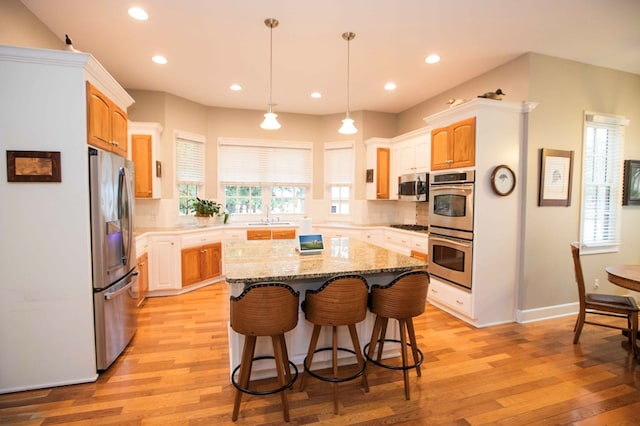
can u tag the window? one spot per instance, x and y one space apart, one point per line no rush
189 169
265 176
601 182
338 175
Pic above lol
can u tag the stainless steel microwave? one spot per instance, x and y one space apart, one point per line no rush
413 187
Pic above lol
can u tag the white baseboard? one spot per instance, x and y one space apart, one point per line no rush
548 312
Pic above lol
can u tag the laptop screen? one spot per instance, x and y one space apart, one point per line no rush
310 243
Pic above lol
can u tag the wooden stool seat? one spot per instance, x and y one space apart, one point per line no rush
267 309
341 301
402 299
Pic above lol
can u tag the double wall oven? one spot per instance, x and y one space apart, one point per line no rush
451 202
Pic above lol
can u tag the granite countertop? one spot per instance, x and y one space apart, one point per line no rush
278 260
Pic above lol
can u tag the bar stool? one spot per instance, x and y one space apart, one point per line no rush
402 299
266 309
342 300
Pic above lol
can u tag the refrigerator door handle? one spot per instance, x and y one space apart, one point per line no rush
126 212
115 294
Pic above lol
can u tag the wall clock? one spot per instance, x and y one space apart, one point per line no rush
503 180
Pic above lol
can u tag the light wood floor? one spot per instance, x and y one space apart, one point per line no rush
176 372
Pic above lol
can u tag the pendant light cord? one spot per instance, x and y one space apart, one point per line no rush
270 65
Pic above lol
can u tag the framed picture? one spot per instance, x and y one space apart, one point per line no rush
556 169
631 185
33 166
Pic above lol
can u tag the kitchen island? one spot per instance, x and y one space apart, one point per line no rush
250 262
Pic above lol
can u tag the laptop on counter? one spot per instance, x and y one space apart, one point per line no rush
310 244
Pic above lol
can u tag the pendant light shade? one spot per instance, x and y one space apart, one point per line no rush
270 118
347 127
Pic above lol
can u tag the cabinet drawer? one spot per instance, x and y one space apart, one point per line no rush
454 298
283 234
199 239
420 244
258 234
420 255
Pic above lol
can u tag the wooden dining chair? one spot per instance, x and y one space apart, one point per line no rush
603 304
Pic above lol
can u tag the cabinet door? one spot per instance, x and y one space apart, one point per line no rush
463 143
164 263
191 265
118 130
283 234
141 157
382 166
211 260
143 277
423 154
440 149
98 119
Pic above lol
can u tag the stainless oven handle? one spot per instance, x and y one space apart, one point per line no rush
451 241
466 187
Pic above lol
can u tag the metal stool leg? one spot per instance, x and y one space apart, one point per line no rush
334 362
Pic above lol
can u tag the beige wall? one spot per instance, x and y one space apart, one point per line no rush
20 27
565 89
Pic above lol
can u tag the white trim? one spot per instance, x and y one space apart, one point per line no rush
616 120
547 312
328 146
265 143
194 137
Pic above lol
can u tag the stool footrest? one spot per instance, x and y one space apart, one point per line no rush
333 379
269 391
393 367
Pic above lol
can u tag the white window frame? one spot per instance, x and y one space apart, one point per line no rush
600 217
335 180
266 200
199 181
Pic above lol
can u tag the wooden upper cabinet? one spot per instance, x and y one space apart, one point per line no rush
106 122
141 149
383 162
454 146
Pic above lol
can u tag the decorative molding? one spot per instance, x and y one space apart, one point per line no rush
547 312
479 104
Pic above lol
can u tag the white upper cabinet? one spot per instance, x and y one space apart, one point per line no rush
412 152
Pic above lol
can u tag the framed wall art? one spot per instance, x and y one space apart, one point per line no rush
556 170
631 185
33 166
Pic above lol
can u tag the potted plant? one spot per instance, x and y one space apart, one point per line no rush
206 209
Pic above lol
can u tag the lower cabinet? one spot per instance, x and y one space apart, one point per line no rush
271 234
450 298
164 258
143 277
201 263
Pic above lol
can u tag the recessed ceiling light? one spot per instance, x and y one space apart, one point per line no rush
138 13
159 59
390 86
316 95
235 87
432 59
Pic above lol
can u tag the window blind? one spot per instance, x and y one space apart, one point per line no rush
270 162
189 160
602 182
338 163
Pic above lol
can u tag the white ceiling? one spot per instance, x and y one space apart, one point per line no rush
211 44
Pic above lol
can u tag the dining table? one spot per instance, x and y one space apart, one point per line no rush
627 276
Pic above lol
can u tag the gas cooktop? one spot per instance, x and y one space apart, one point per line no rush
409 227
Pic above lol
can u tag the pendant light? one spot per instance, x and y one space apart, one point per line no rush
347 127
270 118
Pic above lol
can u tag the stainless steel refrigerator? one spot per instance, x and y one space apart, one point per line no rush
113 254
